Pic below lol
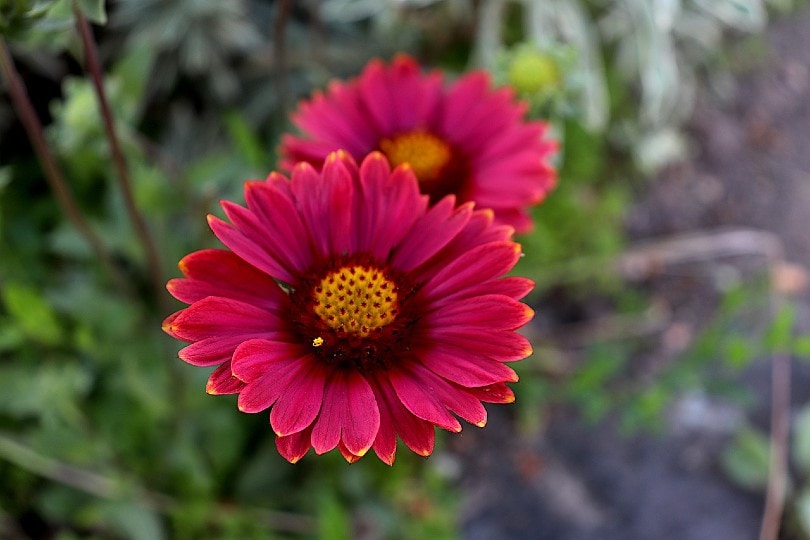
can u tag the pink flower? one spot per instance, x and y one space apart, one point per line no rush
466 139
353 311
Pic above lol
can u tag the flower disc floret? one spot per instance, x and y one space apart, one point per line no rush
356 299
354 311
425 152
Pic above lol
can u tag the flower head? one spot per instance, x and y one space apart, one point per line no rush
466 139
353 311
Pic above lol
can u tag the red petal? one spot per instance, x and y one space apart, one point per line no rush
482 263
362 422
212 351
222 381
492 312
422 401
494 393
260 394
430 233
295 446
218 272
255 357
307 188
252 243
349 413
455 398
395 419
339 188
466 370
280 218
347 455
215 317
299 404
503 346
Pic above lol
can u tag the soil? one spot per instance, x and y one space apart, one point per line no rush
578 481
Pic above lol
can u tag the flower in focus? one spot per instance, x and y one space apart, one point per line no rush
465 139
353 311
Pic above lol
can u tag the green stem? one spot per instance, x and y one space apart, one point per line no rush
53 174
93 66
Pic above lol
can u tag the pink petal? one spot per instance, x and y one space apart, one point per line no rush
398 209
415 96
488 312
349 413
298 405
294 446
311 199
256 357
279 217
215 317
376 97
422 401
222 381
347 455
212 351
327 117
253 248
493 393
466 370
218 272
455 398
479 264
261 393
339 188
430 233
503 346
464 96
395 419
514 287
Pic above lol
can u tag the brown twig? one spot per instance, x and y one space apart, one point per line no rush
780 417
53 174
93 67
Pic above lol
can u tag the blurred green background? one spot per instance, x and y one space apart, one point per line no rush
104 432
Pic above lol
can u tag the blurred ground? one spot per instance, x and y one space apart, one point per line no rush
751 168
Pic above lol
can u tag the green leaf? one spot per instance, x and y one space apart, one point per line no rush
746 460
780 332
738 351
801 440
333 521
133 521
801 347
246 142
32 313
51 391
802 506
93 10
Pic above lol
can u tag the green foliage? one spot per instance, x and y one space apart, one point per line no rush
103 432
746 460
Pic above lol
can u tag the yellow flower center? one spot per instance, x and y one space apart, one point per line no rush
355 299
426 153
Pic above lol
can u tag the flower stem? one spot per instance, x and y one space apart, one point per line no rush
93 67
780 427
53 174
